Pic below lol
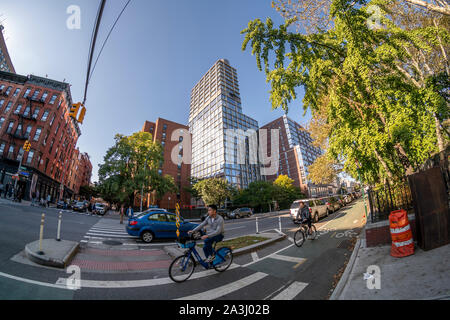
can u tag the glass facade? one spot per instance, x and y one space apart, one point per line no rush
220 142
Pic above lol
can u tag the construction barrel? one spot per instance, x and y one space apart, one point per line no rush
401 234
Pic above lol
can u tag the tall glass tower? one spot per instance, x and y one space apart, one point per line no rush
220 131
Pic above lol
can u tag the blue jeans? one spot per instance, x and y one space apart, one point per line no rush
207 248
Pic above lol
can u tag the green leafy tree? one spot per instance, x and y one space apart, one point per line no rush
285 192
88 191
130 165
380 122
213 190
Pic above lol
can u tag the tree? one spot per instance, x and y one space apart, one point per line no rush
378 119
88 191
259 195
190 189
285 192
324 170
130 165
213 190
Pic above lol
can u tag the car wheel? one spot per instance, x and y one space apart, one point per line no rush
238 216
328 212
316 218
147 236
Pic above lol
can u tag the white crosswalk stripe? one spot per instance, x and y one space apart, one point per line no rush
107 229
291 292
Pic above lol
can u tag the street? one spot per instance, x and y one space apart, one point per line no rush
116 266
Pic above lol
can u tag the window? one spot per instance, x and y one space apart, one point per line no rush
30 156
2 86
18 109
51 146
45 115
37 134
46 164
11 152
59 104
158 217
8 90
35 94
18 129
16 92
53 119
20 154
2 148
27 111
2 120
45 139
57 128
2 102
36 113
44 96
27 134
10 127
27 92
8 107
53 99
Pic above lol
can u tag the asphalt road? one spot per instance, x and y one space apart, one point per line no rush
280 271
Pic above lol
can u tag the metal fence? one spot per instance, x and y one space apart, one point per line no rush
388 198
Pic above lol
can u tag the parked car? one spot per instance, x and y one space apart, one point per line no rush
240 213
317 208
334 203
348 198
151 225
100 209
341 200
80 206
222 212
61 205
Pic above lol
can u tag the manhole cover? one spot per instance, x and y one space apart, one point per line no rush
112 243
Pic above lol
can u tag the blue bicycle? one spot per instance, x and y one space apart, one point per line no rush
183 266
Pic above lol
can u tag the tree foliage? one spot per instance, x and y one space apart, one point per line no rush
213 190
380 122
130 165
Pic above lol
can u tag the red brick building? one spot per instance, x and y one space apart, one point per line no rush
162 132
37 109
79 171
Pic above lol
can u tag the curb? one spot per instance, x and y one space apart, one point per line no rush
49 261
344 279
175 251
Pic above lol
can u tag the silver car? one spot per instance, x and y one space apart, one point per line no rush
317 208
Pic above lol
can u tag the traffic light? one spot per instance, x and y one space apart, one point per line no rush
82 114
27 146
74 110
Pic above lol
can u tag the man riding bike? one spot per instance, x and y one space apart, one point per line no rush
216 231
304 216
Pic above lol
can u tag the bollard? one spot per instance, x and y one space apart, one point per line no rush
279 222
58 234
41 235
257 231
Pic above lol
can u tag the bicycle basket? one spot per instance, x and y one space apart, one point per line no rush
187 245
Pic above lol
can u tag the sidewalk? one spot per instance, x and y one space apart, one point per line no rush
424 275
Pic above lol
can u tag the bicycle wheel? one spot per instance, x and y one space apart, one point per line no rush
226 254
313 234
299 237
181 268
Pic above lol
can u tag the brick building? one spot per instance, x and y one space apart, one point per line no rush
5 60
37 109
80 171
162 132
296 154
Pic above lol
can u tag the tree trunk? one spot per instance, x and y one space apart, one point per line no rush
404 159
384 164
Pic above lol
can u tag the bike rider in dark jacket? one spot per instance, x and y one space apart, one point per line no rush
304 215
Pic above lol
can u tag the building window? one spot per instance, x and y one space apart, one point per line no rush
18 129
27 134
2 120
53 119
37 134
27 92
35 94
46 164
59 104
20 154
10 127
45 115
51 146
19 107
2 148
36 113
8 91
53 99
45 139
11 152
8 107
44 96
16 92
27 111
2 102
57 128
30 156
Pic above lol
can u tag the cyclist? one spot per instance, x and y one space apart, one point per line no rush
216 234
304 215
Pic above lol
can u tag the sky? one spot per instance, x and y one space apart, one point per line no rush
156 54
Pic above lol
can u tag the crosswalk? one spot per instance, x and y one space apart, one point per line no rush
107 229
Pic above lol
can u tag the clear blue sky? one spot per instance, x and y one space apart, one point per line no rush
156 54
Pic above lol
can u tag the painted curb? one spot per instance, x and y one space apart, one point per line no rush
344 279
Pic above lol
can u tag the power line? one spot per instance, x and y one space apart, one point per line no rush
92 45
110 31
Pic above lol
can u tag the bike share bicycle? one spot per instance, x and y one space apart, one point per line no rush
302 233
183 266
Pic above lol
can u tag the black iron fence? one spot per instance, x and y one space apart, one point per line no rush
387 198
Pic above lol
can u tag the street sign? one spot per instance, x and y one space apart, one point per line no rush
24 173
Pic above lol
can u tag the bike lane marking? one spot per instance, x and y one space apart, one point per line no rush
39 283
226 289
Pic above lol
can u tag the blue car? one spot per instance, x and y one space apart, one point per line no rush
150 225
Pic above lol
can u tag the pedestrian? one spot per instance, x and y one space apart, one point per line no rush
130 212
8 185
33 198
122 209
49 199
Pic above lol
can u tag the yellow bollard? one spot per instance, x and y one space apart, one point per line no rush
41 235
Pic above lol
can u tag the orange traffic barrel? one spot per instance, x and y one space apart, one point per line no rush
401 234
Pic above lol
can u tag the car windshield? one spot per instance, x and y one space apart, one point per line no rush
295 205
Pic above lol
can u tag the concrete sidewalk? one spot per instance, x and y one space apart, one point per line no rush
424 275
